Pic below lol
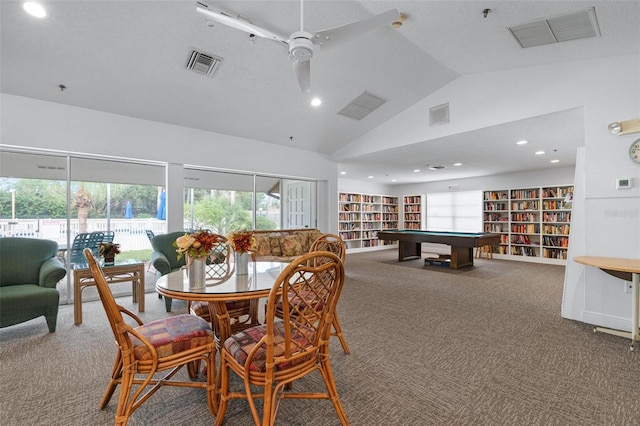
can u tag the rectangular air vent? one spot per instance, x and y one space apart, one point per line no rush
557 29
439 115
362 106
203 63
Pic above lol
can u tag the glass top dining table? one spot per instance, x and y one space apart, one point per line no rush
223 288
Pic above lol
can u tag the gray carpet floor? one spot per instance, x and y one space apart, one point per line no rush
429 346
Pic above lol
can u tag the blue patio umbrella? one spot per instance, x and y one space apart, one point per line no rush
162 206
128 214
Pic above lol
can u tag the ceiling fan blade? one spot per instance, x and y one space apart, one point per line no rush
302 69
239 24
343 33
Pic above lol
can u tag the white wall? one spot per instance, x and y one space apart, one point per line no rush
364 187
531 178
606 221
45 125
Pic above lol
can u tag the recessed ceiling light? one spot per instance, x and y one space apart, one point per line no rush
370 177
343 173
394 180
554 161
539 152
416 170
34 9
457 164
522 142
316 102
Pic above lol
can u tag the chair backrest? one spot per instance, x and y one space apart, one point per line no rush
163 243
21 259
330 242
90 240
308 289
111 308
219 258
108 236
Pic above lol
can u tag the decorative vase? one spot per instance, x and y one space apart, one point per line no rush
242 263
109 259
196 271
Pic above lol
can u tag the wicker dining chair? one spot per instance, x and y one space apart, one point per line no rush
146 349
273 355
242 313
334 244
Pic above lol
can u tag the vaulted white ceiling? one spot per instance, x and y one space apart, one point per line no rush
128 57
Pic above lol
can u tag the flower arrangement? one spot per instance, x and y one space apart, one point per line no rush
108 249
198 244
242 241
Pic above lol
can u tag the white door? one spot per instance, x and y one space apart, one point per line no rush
298 204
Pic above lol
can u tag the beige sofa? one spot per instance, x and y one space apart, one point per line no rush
283 244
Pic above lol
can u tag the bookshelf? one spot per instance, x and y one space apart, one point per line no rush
413 212
534 222
361 216
496 217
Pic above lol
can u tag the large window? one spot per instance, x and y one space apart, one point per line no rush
455 211
226 201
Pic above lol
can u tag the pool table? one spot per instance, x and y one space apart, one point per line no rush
462 243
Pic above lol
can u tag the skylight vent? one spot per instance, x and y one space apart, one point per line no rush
362 106
558 29
203 63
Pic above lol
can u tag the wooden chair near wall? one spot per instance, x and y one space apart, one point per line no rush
274 355
146 349
487 250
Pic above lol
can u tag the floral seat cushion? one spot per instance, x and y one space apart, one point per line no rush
172 335
240 344
201 309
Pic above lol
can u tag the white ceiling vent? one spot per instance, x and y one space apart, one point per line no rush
362 106
439 115
203 63
557 29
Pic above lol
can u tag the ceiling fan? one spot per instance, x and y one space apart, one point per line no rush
301 43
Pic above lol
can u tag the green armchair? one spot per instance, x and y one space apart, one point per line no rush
29 272
165 258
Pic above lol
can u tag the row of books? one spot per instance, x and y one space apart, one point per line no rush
351 207
349 216
350 197
528 228
524 193
524 205
412 217
492 217
556 217
555 241
412 200
554 205
350 235
495 206
493 195
554 254
556 229
524 217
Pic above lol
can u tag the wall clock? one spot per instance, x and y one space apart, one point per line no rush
634 151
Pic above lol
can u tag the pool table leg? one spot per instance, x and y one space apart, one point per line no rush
461 256
409 250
